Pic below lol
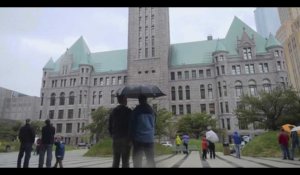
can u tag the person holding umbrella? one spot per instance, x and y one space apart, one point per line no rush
142 133
212 137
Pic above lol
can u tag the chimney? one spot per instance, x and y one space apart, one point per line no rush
209 37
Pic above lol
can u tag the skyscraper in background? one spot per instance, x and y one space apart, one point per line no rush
267 21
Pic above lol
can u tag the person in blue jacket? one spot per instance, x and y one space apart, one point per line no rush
59 152
237 144
142 133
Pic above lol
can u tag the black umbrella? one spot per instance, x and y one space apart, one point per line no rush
134 91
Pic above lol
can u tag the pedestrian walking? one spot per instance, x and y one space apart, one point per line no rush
59 152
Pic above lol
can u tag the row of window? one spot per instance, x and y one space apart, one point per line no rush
195 75
211 109
59 127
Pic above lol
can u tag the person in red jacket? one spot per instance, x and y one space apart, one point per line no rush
283 140
204 144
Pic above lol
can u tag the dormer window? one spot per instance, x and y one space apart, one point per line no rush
276 53
221 58
247 53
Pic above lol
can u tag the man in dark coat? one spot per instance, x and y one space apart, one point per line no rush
119 130
48 133
26 137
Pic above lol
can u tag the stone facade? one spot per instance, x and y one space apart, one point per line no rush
208 78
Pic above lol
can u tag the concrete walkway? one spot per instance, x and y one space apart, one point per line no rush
75 159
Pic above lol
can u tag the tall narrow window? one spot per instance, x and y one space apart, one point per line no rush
70 113
247 69
44 83
238 88
225 88
68 128
152 39
201 74
223 70
220 89
153 52
212 108
187 92
71 98
60 114
146 52
226 107
51 114
208 73
260 67
58 127
252 87
180 93
125 79
252 71
107 80
202 91
238 69
52 99
180 109
223 123
218 71
245 53
173 93
94 97
267 85
81 80
99 97
95 81
188 108
119 80
278 66
113 80
42 99
172 75
179 75
233 70
62 99
249 53
112 96
210 92
79 113
203 108
221 107
228 124
193 74
174 109
266 68
186 75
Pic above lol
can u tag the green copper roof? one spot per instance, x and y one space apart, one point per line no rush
80 53
236 30
220 46
272 41
109 61
50 64
192 53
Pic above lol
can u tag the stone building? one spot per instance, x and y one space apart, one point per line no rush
203 76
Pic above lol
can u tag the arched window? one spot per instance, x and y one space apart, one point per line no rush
173 93
238 88
252 87
180 92
112 96
267 85
52 99
187 92
71 98
62 99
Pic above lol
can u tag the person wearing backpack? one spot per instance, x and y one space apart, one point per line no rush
186 140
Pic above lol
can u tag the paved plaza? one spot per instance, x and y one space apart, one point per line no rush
75 159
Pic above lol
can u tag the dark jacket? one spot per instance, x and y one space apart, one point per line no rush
26 134
236 138
59 150
142 124
48 133
119 122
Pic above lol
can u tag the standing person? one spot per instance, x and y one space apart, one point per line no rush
26 137
211 138
142 133
295 143
186 140
178 144
283 140
48 132
59 152
237 144
119 130
204 144
38 146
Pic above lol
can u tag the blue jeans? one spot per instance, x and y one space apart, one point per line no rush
44 148
285 151
237 150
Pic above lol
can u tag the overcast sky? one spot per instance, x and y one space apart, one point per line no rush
30 36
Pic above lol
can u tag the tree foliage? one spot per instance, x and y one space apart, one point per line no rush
195 123
99 125
268 108
37 126
163 120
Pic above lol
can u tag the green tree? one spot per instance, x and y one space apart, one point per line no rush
195 123
37 126
163 119
99 126
268 108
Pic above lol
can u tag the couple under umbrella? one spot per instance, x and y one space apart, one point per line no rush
140 129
